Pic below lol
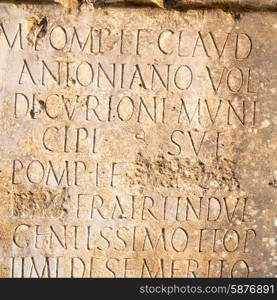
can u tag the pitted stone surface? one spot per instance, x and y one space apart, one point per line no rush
137 142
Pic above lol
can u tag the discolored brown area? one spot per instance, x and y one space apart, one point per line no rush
138 141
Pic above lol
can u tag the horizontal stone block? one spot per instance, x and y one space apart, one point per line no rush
180 4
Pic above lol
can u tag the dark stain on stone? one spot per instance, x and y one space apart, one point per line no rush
273 183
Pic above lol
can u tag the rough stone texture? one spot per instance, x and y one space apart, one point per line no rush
229 3
185 4
137 142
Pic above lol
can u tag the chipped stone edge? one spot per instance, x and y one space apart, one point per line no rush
232 5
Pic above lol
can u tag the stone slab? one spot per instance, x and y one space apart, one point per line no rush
137 142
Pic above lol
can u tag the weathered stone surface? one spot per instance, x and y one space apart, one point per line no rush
250 4
186 4
137 142
69 3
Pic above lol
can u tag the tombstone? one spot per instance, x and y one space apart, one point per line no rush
138 139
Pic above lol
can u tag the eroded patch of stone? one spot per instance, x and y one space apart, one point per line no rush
40 202
216 174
